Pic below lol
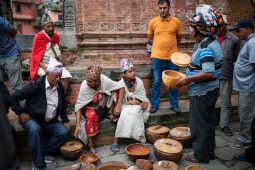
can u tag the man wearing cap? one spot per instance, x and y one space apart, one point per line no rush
244 81
9 55
44 104
45 46
230 47
164 33
202 80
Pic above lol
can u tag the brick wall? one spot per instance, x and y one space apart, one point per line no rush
124 15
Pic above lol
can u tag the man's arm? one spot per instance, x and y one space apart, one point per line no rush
117 109
150 38
236 49
178 38
201 76
5 26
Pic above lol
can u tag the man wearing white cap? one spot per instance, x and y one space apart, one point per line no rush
44 104
45 46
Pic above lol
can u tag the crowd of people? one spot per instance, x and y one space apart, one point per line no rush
219 59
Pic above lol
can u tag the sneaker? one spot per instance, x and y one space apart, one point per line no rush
239 145
49 159
44 168
175 109
227 131
153 109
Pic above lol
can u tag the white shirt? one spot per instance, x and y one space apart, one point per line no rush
52 101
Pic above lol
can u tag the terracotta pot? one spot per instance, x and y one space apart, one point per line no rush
143 164
154 133
71 150
137 151
165 165
89 157
170 78
113 165
168 149
195 167
181 134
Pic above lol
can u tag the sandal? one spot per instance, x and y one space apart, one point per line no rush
115 148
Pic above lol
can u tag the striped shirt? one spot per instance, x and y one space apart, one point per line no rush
205 60
8 45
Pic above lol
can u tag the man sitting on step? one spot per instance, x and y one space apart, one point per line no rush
44 104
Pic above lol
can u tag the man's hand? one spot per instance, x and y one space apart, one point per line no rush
44 67
24 117
67 125
184 80
77 131
144 105
117 110
133 102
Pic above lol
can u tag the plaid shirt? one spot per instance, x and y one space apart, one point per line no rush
8 45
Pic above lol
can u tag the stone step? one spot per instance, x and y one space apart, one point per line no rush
163 116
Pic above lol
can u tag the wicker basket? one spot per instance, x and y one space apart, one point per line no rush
170 78
168 149
165 165
154 133
181 134
71 150
143 164
195 167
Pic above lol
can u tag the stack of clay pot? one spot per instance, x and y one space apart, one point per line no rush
154 133
181 134
168 149
71 150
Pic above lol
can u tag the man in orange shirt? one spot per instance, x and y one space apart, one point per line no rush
164 33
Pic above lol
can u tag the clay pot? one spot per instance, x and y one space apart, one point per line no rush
81 166
180 59
71 150
181 134
89 157
143 164
154 133
168 149
165 165
170 78
87 166
137 151
195 167
113 165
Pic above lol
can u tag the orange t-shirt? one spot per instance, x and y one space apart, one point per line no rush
164 34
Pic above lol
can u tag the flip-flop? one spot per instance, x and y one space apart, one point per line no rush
115 148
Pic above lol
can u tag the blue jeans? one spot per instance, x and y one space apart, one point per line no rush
57 132
158 66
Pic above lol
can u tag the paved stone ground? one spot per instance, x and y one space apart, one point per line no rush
224 153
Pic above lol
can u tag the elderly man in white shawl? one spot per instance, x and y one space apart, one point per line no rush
98 95
135 106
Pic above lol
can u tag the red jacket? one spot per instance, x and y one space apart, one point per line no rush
38 49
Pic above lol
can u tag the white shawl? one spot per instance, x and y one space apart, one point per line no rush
87 94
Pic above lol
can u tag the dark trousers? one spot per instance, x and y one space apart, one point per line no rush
57 132
250 152
202 120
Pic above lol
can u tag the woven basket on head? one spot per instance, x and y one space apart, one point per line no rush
170 78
